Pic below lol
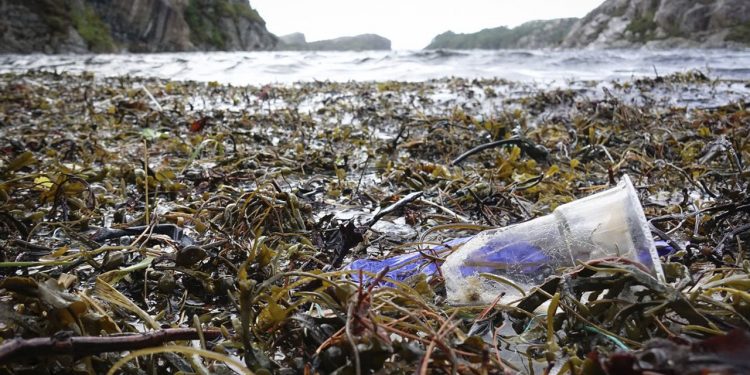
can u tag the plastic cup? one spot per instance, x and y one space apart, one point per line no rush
607 224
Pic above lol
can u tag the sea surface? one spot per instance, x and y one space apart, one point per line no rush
258 68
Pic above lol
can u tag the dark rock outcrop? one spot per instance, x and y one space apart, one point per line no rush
228 25
78 26
364 42
663 24
37 26
623 24
533 34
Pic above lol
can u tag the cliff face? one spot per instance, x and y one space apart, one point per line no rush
364 42
623 24
226 25
78 26
144 25
663 24
37 26
534 34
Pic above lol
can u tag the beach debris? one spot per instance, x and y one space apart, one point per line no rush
427 262
405 266
509 261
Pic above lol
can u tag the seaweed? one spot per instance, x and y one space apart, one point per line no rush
201 227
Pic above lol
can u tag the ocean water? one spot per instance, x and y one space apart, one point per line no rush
258 68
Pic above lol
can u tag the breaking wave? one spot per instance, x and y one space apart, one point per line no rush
286 67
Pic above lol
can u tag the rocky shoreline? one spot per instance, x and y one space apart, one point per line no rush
663 24
651 24
107 26
99 26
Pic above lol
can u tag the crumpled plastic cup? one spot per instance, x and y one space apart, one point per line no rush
607 224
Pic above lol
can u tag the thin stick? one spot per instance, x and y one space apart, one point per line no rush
528 147
145 156
393 207
361 176
153 99
350 336
81 346
446 210
481 148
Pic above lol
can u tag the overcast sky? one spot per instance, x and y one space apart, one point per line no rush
409 24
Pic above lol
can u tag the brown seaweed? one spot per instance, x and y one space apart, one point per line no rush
132 205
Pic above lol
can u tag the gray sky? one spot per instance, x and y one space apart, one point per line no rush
409 24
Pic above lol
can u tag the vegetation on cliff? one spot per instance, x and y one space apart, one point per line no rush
622 24
643 26
58 19
54 13
662 24
92 29
740 34
204 18
143 26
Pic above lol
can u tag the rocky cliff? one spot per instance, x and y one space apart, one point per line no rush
623 24
663 24
79 26
364 42
534 34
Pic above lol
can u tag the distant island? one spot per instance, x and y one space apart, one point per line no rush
364 42
534 34
622 24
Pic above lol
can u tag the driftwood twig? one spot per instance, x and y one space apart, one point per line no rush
80 346
537 152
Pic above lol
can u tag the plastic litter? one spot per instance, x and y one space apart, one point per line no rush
607 224
405 266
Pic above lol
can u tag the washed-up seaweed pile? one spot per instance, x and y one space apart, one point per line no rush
149 226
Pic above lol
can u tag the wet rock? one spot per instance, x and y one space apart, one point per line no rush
662 24
22 29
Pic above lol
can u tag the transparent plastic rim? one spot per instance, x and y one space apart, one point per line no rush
643 227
